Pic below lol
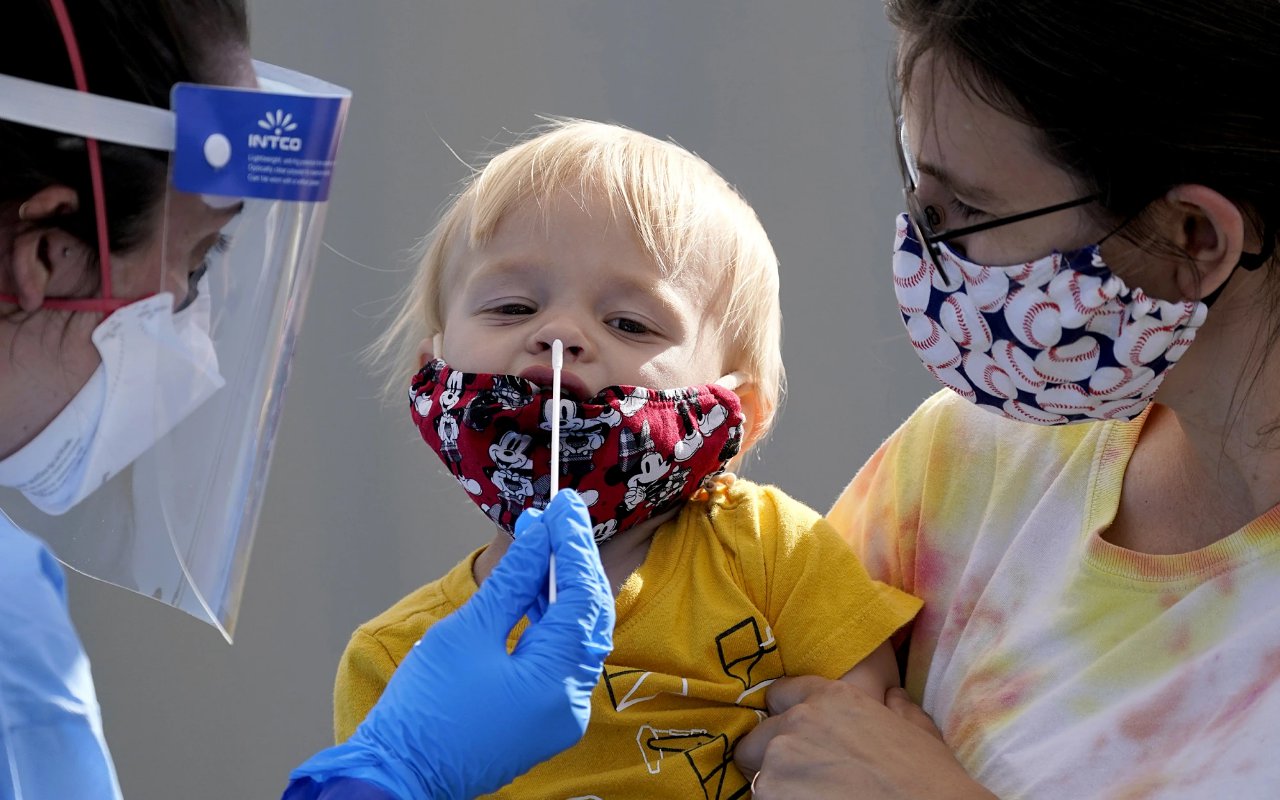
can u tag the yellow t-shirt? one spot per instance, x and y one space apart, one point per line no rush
734 593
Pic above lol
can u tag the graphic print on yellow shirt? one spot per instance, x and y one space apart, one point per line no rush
747 653
734 593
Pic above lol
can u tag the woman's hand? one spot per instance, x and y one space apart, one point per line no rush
828 739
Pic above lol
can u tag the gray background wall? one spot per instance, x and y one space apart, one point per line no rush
788 101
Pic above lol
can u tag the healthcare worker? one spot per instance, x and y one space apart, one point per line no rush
161 201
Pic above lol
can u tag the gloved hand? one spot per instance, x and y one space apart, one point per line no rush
461 717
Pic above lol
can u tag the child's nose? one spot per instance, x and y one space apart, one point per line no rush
571 335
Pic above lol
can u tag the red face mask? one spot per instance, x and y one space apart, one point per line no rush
632 453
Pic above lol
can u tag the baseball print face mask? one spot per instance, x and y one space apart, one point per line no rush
632 453
1053 341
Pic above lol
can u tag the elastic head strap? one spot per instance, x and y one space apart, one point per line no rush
106 302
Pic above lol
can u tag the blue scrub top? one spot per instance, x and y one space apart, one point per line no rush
51 742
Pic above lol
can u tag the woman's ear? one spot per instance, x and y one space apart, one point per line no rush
1209 229
44 254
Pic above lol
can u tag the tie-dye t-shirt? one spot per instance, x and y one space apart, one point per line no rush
1057 664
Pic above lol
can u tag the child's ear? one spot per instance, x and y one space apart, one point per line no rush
753 414
43 254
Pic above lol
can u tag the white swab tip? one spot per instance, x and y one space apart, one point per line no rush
557 354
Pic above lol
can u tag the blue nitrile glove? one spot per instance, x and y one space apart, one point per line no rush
461 717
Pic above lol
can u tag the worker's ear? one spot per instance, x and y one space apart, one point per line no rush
44 255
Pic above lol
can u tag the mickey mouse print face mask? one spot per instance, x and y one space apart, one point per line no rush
632 453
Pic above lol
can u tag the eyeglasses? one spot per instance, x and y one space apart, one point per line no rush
925 218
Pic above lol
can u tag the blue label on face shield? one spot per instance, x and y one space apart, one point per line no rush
246 143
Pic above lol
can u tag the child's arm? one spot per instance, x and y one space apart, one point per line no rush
825 609
875 674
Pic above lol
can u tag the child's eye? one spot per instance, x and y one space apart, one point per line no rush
512 309
629 325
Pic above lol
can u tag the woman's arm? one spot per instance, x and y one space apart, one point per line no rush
830 739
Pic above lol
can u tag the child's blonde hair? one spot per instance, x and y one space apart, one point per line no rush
685 214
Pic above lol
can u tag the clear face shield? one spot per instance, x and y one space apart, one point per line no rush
152 477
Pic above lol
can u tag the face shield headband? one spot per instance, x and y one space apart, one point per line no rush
152 477
29 103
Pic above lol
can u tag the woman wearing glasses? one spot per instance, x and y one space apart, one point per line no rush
1092 197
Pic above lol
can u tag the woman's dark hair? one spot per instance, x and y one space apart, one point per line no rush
133 50
1132 97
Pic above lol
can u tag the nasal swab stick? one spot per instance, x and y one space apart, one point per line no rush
557 364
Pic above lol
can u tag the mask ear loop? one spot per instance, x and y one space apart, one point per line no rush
1249 262
732 381
106 303
557 364
717 484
